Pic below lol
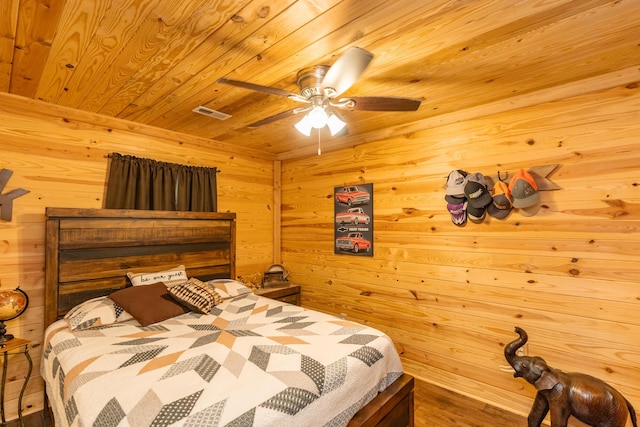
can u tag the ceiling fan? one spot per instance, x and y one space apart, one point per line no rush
320 85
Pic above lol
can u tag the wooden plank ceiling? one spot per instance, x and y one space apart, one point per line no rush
153 61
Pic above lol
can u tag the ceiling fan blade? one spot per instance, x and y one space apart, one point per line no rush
278 116
346 70
383 103
260 88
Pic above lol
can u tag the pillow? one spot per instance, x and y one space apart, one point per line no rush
99 311
228 288
195 295
148 304
169 277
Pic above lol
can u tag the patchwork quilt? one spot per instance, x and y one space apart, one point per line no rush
252 362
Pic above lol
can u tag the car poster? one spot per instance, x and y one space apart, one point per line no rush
353 207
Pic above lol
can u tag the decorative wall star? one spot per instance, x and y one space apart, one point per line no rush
6 199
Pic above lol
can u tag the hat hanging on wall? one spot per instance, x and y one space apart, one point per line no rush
501 204
475 214
524 190
455 185
458 213
521 192
530 211
476 191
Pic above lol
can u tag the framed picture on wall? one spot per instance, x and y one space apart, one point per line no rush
353 211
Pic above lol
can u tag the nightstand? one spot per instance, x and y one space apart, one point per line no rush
288 293
14 346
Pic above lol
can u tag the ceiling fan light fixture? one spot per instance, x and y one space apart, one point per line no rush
318 117
319 86
334 124
304 125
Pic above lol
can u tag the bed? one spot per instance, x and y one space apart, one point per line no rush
245 360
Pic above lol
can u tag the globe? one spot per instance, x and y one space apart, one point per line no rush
12 304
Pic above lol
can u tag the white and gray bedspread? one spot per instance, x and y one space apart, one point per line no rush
252 362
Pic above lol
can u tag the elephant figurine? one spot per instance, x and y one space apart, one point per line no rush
587 398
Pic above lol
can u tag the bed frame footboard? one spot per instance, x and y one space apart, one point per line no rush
393 407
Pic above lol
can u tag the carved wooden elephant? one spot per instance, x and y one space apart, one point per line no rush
566 394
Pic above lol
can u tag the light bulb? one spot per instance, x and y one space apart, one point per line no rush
318 117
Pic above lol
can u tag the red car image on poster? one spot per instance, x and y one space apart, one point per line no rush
353 242
353 216
352 195
353 225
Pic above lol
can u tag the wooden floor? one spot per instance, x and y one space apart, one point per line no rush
434 407
437 407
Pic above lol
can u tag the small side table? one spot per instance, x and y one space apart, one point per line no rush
287 292
14 346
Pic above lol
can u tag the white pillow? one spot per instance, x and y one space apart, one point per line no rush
168 277
99 311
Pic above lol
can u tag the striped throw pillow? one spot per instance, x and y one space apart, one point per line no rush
195 295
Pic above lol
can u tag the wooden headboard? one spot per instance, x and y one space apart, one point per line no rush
90 251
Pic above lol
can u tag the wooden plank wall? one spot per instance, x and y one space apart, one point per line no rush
450 296
59 155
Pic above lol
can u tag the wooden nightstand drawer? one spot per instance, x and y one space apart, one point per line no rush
288 293
291 299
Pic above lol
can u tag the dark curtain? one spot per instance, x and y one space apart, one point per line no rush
197 189
138 183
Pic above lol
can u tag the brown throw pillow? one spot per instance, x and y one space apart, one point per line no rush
148 304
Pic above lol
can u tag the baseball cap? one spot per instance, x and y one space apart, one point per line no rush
524 190
530 211
455 200
501 205
476 191
455 183
476 214
458 213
